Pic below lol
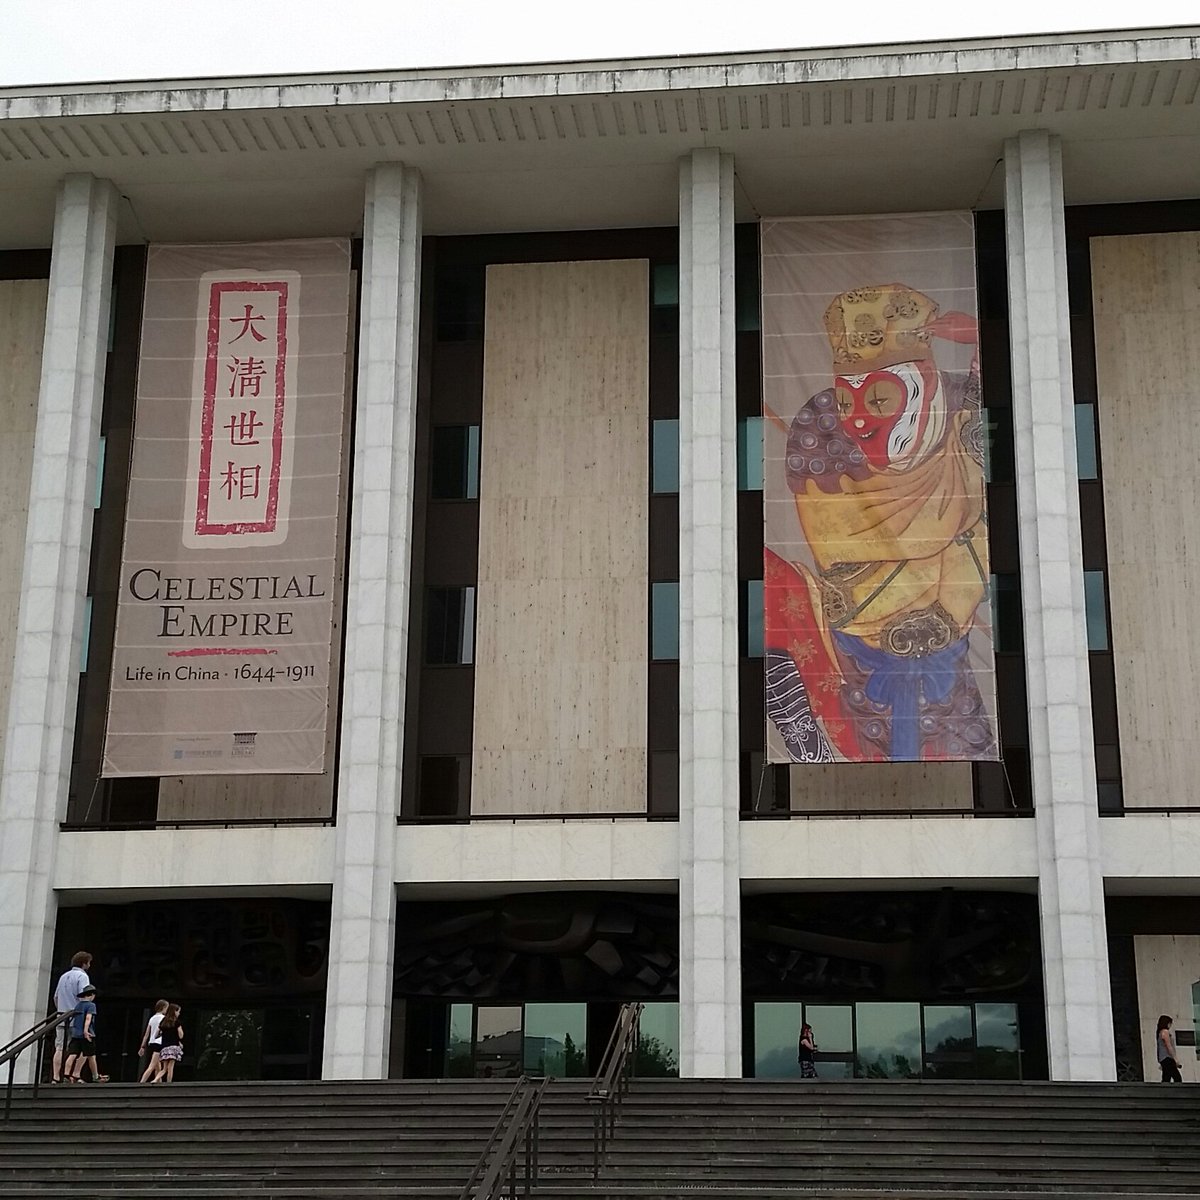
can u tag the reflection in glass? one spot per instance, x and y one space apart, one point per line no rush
776 1036
658 1042
750 454
833 1027
665 285
889 1041
230 1043
998 1038
1085 441
664 457
450 625
454 462
458 1042
498 1044
949 1042
752 618
1095 606
664 621
556 1040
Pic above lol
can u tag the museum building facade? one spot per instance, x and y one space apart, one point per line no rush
535 779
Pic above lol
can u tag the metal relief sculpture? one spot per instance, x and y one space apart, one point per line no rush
878 627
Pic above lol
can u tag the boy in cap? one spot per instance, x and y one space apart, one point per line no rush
82 1046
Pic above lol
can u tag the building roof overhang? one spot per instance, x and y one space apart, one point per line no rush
586 145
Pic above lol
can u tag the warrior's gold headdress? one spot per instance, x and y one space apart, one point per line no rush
872 328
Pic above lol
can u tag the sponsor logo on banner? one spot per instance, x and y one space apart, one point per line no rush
877 622
229 578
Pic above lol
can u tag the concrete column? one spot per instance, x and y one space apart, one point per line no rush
358 998
1070 880
710 997
41 712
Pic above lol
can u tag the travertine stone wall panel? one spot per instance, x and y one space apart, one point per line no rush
1146 298
1168 966
561 640
877 786
22 329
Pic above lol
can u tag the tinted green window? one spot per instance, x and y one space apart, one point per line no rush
1096 608
658 1041
664 621
664 457
750 454
1085 441
998 1041
556 1040
889 1041
450 625
458 1041
776 1036
454 462
752 618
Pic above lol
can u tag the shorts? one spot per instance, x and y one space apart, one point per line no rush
152 1048
170 1054
61 1036
78 1045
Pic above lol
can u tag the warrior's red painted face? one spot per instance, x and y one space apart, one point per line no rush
869 406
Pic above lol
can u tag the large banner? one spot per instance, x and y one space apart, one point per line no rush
229 583
878 631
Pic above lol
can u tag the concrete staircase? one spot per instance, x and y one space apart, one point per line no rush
717 1140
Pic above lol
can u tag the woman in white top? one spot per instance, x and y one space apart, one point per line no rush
152 1041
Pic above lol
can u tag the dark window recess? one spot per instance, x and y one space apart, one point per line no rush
450 625
746 292
1109 794
664 621
765 787
998 454
1006 784
664 783
454 462
750 618
1008 630
444 787
664 457
459 302
665 285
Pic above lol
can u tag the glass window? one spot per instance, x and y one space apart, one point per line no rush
85 642
228 1043
750 454
454 462
664 621
998 1041
450 625
1096 607
1008 626
998 457
1085 441
458 1042
665 285
664 457
556 1040
752 618
499 1049
100 472
833 1031
949 1042
664 782
658 1041
889 1040
776 1036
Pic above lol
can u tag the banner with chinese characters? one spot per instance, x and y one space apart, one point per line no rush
229 587
877 622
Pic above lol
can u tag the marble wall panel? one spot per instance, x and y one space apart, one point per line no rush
1146 300
562 641
22 328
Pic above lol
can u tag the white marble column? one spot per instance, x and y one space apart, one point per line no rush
41 712
1071 885
358 997
710 1003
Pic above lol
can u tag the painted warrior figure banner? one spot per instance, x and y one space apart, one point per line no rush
878 634
229 581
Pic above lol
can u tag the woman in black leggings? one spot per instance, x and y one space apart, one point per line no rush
1168 1056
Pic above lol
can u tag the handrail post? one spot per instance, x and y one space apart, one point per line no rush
12 1066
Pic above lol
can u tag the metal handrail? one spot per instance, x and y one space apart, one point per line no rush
612 1080
495 1173
10 1053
